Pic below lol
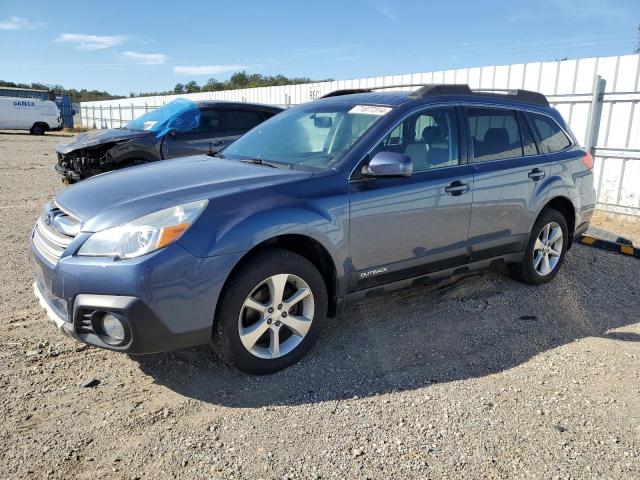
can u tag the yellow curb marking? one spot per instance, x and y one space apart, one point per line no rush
626 249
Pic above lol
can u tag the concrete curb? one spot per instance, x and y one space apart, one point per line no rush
628 250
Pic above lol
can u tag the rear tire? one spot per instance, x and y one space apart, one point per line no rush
270 312
38 129
545 250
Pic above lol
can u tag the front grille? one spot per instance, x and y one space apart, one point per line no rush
53 232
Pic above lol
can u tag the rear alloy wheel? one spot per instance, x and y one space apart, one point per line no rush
270 313
545 251
548 249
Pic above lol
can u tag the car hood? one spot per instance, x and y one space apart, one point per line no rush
117 197
99 137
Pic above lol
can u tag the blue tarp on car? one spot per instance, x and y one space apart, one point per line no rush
180 115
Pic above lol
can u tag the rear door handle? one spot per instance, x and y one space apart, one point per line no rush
456 188
536 174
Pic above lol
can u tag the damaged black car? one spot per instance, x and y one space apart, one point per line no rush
178 129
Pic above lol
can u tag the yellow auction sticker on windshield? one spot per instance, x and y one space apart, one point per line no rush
370 110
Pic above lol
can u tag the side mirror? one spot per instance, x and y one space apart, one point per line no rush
389 164
172 133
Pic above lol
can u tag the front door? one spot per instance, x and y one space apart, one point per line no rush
405 227
207 137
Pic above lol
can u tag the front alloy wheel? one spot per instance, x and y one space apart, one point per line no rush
270 313
276 316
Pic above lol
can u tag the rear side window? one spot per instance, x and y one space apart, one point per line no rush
552 137
496 134
241 119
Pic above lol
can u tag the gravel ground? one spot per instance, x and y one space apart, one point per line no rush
477 377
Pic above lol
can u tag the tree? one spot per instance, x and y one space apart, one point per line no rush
212 85
238 80
192 87
637 50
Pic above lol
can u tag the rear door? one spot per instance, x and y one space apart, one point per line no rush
508 180
411 226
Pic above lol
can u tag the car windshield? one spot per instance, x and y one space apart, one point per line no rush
313 135
179 115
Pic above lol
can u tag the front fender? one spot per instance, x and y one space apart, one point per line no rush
133 149
328 229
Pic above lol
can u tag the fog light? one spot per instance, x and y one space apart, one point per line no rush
113 328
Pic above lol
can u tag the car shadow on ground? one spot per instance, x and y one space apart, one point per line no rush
467 327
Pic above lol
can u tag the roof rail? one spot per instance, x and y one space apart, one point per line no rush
431 90
337 93
349 91
518 94
441 89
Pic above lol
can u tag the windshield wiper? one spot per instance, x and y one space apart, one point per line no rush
260 161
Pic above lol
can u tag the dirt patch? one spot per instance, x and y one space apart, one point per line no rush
624 226
481 377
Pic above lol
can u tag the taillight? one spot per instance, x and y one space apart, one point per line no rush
587 159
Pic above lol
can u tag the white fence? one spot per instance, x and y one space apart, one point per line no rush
568 85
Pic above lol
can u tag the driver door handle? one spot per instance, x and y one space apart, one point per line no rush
457 187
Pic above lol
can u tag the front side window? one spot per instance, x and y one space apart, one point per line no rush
552 138
495 133
429 138
313 135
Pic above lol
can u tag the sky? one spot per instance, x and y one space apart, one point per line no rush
140 46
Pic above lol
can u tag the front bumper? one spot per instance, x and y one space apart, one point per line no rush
53 315
70 174
168 298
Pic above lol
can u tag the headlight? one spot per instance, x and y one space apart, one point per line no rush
143 235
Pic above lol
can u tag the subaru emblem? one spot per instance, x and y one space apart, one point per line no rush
49 218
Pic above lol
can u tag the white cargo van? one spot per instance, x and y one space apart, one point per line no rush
31 114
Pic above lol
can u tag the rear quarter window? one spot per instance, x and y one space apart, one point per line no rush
552 137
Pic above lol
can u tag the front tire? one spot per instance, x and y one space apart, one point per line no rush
270 313
545 250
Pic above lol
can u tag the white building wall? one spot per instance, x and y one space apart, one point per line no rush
568 85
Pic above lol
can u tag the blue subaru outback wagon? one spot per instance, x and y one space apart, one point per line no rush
357 193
